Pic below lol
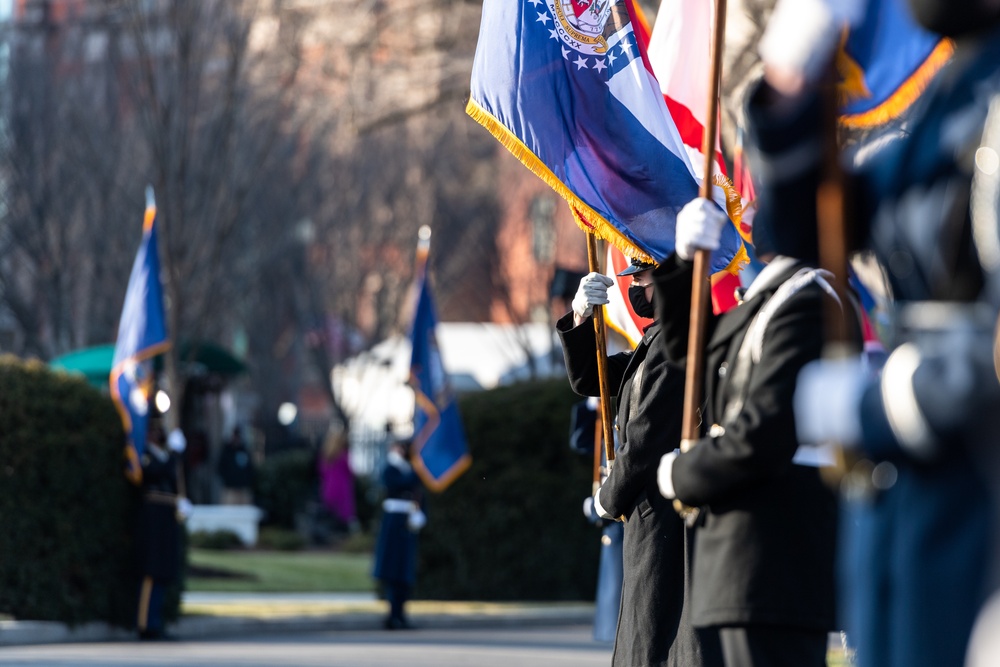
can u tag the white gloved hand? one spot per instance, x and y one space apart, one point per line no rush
828 401
593 291
416 520
589 511
176 441
184 508
801 36
665 475
699 227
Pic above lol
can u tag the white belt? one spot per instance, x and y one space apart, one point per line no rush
398 506
815 456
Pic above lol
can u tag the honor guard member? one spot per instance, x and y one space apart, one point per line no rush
402 519
765 534
920 537
652 625
158 531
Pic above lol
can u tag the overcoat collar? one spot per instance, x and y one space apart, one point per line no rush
768 280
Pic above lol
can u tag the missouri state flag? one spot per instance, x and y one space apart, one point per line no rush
439 453
567 87
142 334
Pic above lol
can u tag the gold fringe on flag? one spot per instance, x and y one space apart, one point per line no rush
587 218
906 94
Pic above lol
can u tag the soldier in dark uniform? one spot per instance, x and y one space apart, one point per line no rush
652 624
158 528
402 519
920 539
765 537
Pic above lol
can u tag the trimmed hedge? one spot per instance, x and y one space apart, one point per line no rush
66 510
284 484
511 527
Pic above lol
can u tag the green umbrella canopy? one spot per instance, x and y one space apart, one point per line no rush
94 363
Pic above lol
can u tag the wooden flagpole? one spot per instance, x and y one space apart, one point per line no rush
600 332
701 287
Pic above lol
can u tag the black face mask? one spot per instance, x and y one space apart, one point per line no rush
954 18
642 306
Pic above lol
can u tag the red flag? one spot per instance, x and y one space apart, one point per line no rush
679 54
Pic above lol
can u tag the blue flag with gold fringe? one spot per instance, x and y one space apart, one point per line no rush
885 63
440 453
142 334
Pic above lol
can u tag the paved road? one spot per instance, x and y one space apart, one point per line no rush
506 647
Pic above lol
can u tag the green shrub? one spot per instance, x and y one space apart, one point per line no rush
66 509
217 540
284 483
511 527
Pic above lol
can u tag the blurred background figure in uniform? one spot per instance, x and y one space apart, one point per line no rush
163 508
919 529
236 469
402 519
583 439
336 481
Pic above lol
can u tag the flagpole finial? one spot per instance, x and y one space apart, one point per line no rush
150 197
424 237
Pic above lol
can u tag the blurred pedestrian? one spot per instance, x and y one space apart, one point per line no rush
402 520
765 536
336 481
157 534
653 627
920 531
236 469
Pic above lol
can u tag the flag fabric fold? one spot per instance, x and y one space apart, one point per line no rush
567 87
680 53
885 63
142 334
440 453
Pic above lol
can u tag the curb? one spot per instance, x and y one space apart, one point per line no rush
206 625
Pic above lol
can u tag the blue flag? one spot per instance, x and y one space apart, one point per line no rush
886 63
568 89
440 453
142 334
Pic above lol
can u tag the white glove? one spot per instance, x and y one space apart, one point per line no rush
828 401
416 520
176 441
593 291
184 508
699 227
665 475
589 511
801 35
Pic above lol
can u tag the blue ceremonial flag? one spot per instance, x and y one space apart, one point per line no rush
142 334
440 453
566 86
886 63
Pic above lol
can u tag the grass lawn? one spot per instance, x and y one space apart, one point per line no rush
280 572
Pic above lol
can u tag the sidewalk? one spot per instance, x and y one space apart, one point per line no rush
227 614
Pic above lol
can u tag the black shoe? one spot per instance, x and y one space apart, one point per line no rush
155 636
393 623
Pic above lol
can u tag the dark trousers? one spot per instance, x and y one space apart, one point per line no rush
767 646
149 617
397 593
